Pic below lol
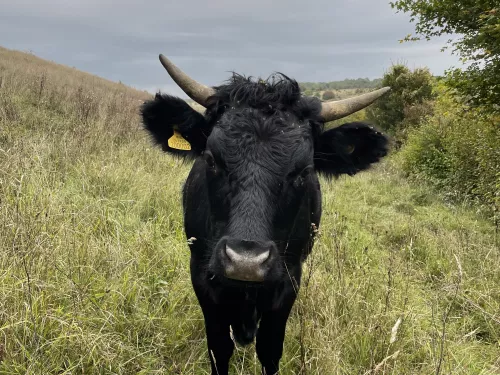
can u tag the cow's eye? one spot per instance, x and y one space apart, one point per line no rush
305 172
301 176
209 159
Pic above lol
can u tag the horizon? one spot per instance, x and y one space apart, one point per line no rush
182 94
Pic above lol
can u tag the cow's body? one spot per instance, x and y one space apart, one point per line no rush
227 303
252 202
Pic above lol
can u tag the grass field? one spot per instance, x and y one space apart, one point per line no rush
94 263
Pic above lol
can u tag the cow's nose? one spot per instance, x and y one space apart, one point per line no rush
250 259
247 260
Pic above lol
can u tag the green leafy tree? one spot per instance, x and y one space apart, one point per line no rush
408 102
477 25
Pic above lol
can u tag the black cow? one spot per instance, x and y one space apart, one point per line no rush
252 201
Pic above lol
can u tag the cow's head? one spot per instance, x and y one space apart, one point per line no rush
260 145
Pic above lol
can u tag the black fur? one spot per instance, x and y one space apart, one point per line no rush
276 94
349 149
254 181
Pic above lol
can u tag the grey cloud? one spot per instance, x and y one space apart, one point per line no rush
310 41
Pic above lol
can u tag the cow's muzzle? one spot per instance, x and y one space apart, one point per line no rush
247 260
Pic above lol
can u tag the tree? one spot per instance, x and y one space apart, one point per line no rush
407 103
477 22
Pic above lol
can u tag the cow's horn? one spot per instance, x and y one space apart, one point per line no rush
337 109
195 90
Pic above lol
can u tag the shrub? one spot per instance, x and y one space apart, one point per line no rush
458 151
328 95
408 102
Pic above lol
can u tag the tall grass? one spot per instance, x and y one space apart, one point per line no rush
94 264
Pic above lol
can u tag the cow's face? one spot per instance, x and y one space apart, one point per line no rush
260 179
261 146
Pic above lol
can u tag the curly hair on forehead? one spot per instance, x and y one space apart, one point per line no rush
278 93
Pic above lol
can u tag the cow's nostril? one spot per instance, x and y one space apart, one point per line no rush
247 257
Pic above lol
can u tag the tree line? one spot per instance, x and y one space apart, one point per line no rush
358 83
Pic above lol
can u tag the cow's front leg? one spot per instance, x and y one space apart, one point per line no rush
271 333
220 345
216 314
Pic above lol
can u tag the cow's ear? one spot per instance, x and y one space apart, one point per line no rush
174 125
348 149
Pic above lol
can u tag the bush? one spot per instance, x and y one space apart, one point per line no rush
409 101
458 151
328 95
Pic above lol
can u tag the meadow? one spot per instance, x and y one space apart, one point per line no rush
94 265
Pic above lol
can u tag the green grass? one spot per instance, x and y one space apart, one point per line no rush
94 275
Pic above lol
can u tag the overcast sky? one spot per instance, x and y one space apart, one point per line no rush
307 40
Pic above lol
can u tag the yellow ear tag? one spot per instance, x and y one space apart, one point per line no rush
178 142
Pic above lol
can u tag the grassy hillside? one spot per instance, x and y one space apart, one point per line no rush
94 264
